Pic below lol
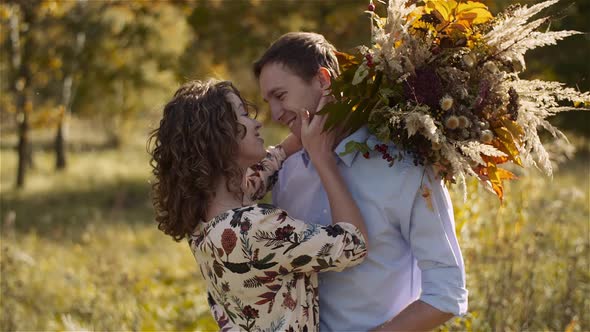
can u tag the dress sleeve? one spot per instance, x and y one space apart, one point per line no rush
261 177
295 246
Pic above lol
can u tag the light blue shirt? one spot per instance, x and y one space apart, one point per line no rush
413 250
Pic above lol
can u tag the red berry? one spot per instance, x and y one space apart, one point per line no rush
371 7
366 155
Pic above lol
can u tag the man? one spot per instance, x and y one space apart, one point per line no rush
413 277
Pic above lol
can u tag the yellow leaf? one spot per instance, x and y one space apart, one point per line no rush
497 176
443 10
514 128
426 194
572 325
346 60
495 180
508 145
473 12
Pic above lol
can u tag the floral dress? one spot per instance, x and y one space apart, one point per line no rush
261 265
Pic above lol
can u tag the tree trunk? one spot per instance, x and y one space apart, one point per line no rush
60 153
23 142
22 79
67 96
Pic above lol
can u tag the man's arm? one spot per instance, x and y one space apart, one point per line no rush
430 233
418 316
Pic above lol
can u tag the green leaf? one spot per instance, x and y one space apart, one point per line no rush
218 269
336 113
237 267
263 266
267 258
300 261
353 146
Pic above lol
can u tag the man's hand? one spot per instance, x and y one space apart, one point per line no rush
418 316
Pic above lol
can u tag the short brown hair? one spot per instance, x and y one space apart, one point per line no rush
303 53
192 149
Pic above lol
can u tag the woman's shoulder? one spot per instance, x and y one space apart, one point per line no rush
235 217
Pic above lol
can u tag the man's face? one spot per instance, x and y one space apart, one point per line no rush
287 94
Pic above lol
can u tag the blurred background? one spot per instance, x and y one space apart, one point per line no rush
83 81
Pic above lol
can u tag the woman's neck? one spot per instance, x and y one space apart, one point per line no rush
224 200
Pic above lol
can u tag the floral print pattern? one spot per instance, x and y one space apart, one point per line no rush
261 265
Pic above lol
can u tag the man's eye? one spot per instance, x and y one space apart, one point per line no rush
280 96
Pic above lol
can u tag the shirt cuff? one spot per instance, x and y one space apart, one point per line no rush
444 289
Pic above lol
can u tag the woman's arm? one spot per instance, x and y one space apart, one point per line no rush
261 177
291 144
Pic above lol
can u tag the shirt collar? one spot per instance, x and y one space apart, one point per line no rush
361 136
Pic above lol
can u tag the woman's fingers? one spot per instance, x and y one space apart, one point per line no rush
325 99
304 115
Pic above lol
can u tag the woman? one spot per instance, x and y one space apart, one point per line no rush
259 264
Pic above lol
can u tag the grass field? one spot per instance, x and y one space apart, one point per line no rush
80 251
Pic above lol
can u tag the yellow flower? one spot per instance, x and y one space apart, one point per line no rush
464 122
452 122
446 103
487 136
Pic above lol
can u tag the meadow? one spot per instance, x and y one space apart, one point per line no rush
80 250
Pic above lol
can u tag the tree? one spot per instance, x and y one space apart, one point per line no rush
23 16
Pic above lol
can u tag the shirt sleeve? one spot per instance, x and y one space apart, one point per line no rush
261 177
432 238
296 246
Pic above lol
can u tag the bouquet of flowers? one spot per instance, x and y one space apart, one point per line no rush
441 82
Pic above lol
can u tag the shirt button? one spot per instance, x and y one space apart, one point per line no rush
325 211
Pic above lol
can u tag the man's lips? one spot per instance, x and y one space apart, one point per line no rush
291 122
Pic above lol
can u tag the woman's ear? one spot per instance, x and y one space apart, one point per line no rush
324 78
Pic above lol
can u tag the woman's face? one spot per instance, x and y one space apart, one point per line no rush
252 145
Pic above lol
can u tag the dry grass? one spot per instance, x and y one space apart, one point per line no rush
79 251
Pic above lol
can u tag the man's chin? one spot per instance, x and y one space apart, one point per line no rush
296 133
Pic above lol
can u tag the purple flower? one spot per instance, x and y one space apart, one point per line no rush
283 233
424 87
245 226
250 312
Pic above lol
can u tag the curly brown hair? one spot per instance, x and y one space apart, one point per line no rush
193 148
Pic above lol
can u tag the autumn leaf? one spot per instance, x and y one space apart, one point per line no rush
473 13
346 60
508 145
497 176
456 16
514 128
426 194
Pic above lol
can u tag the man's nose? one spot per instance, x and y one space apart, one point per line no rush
276 111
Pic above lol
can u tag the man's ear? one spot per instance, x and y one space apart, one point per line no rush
324 78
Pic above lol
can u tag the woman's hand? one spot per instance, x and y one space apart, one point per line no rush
319 144
291 144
